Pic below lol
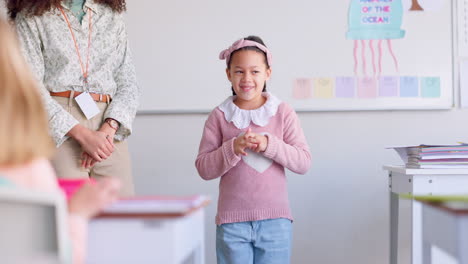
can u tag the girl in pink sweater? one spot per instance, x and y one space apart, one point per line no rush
247 141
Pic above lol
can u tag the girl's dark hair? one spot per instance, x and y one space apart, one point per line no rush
39 7
258 40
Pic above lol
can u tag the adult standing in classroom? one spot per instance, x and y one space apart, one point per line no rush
78 50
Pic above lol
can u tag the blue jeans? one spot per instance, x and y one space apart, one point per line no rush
260 242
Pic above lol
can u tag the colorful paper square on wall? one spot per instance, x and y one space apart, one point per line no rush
430 87
324 88
367 87
388 86
344 87
409 86
302 88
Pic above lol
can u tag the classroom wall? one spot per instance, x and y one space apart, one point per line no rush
340 206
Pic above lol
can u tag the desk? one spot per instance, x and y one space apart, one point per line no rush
156 238
446 228
419 182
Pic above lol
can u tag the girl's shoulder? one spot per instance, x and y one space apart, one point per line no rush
287 114
285 108
215 116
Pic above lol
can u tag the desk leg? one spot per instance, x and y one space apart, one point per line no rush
199 254
416 232
394 200
463 243
426 253
463 256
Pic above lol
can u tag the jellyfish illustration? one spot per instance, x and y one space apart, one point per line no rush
374 20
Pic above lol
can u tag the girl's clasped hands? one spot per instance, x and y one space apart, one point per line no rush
250 140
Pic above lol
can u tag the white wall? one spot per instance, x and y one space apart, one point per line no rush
340 206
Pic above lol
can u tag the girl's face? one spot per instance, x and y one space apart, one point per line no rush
248 74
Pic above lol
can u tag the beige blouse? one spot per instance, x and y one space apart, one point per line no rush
49 48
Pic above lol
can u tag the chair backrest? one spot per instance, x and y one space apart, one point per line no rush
33 227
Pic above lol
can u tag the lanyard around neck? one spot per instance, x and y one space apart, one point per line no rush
84 70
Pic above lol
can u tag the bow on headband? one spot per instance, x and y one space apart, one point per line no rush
226 54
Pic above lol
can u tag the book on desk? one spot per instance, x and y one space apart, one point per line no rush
154 206
434 156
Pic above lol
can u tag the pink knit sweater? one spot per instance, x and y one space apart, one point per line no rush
253 187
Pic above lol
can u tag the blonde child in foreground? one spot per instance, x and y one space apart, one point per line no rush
248 140
26 144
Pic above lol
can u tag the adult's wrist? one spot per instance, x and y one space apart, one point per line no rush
77 132
107 129
112 123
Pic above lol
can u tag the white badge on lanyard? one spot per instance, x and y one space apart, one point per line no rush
87 105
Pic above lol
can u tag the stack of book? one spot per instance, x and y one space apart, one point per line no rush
434 156
450 156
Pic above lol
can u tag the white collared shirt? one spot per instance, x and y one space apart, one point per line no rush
241 118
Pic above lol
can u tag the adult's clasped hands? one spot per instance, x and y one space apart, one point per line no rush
97 146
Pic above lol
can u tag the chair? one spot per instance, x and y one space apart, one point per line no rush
33 227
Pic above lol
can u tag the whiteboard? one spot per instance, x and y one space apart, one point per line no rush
175 45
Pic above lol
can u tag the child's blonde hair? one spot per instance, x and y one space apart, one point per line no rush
23 121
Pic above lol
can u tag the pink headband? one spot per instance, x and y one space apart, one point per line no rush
226 54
